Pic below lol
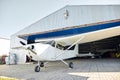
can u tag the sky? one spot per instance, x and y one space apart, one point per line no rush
18 14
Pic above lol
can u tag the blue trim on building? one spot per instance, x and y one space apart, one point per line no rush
73 31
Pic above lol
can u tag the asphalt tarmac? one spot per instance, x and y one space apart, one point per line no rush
84 69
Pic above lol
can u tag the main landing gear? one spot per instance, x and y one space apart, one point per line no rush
41 64
71 65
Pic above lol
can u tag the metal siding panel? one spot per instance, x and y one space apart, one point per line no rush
77 15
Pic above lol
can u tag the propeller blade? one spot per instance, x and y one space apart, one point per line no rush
22 43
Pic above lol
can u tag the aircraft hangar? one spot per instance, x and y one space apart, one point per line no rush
88 18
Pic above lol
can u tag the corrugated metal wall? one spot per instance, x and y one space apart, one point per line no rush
77 15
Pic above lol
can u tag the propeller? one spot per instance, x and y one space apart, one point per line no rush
22 43
28 47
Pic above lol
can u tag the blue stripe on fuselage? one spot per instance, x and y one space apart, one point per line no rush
73 31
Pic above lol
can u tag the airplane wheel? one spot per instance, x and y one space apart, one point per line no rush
42 64
70 65
37 68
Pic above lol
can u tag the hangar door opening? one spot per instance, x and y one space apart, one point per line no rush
105 48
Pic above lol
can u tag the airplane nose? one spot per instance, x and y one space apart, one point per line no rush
31 47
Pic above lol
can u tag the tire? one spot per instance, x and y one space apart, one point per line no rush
70 65
42 64
37 69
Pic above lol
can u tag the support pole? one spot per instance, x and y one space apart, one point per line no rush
68 49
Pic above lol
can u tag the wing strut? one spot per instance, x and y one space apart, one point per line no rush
69 64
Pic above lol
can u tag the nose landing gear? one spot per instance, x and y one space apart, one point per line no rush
38 67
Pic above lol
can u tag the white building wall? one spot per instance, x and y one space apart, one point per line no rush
20 53
4 46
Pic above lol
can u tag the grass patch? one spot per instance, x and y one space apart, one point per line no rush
7 78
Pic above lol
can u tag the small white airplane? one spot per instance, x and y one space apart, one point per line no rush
57 44
49 51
